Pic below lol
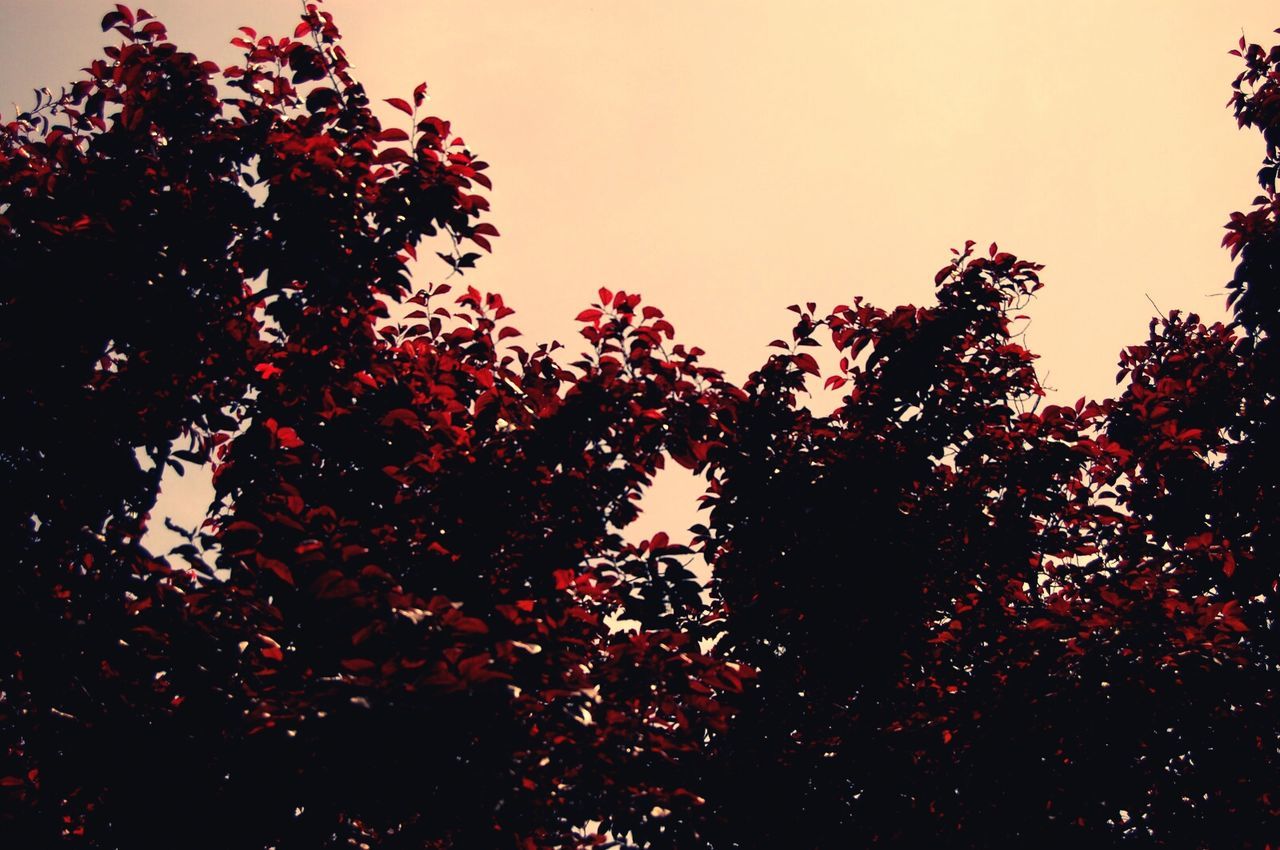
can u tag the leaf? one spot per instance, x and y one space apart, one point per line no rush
469 626
392 155
277 568
401 104
389 155
806 363
288 438
400 416
307 63
322 98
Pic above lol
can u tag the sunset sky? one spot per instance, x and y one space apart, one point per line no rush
728 158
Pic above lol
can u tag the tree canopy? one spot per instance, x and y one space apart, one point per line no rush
941 614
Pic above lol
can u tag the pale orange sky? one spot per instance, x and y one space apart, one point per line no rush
727 158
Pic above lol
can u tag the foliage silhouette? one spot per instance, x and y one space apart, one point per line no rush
939 615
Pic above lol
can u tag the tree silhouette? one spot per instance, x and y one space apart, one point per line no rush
938 615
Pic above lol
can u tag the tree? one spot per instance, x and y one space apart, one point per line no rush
391 627
977 623
939 615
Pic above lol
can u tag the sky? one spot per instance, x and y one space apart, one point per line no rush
727 158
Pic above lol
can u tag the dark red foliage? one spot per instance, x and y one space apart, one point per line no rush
939 615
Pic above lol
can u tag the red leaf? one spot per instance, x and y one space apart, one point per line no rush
589 315
279 568
470 626
806 363
401 104
392 155
288 438
356 665
402 416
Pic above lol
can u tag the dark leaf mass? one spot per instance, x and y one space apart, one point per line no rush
940 615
